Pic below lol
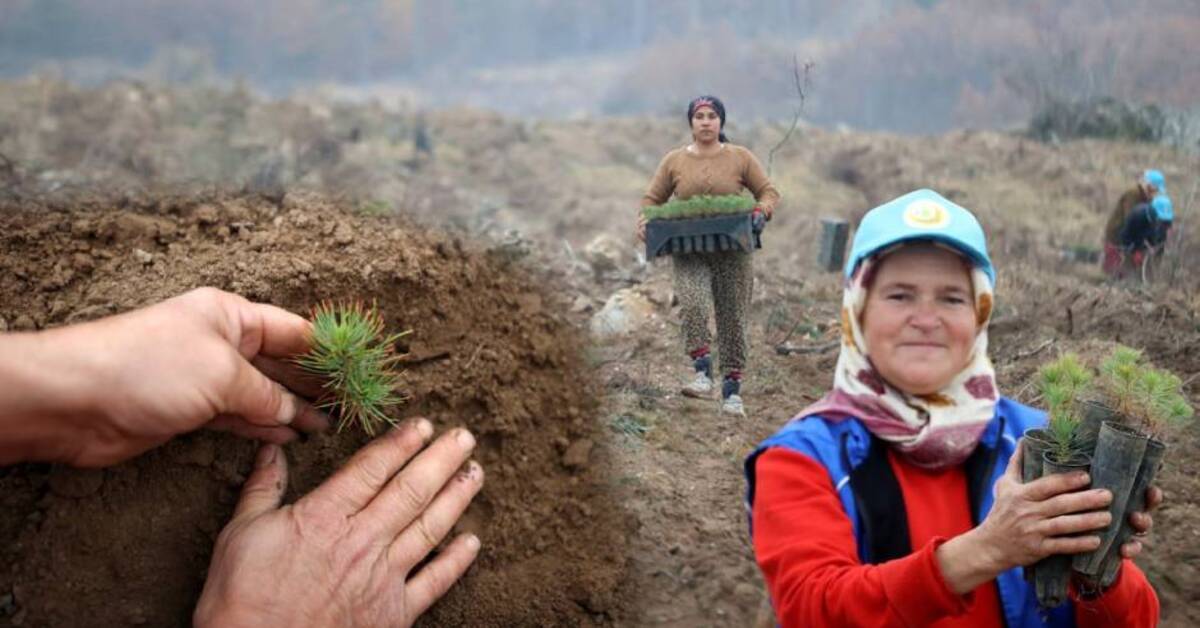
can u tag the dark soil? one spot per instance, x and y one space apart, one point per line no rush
130 545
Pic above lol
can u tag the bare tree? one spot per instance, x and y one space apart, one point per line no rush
802 79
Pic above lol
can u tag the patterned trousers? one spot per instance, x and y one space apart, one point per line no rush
726 280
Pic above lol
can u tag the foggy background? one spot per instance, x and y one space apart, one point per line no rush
903 65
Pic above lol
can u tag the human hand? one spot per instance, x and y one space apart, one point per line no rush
758 220
1027 522
1031 521
206 358
641 227
1141 522
344 554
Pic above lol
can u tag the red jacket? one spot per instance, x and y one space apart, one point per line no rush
805 546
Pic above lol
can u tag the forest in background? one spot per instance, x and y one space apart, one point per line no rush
903 65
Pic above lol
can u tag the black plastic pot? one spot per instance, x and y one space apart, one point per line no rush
734 232
1119 453
1088 431
1052 575
1034 444
1137 502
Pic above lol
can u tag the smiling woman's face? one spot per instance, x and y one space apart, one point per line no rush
919 321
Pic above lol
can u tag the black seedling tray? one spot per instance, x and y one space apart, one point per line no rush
701 235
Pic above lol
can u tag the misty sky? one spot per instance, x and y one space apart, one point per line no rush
907 65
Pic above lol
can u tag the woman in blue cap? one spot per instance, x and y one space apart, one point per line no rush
897 498
1139 224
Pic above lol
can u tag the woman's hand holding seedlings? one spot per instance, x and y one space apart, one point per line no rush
344 554
1027 523
101 392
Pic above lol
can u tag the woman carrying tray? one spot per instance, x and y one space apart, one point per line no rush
896 500
712 166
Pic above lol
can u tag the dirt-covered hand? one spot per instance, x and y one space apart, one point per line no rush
206 358
345 554
1029 522
1141 522
641 227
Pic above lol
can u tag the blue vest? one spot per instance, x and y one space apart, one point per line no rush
843 447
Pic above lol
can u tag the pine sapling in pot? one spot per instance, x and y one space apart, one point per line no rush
356 361
1117 374
1157 407
1063 383
1120 447
1060 383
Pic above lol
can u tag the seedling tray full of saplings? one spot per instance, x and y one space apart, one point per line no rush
1118 423
356 363
701 224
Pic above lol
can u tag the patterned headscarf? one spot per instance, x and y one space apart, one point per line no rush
932 431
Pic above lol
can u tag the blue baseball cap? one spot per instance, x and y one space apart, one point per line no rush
1155 178
1163 210
920 215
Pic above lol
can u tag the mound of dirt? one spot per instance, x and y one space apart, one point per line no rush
130 545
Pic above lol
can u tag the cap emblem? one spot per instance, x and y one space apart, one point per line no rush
926 214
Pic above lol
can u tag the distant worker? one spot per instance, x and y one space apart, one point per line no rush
711 165
1138 226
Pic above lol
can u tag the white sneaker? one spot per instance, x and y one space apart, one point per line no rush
733 405
699 388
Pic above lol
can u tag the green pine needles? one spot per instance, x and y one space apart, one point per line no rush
1119 373
351 353
701 206
1151 397
1063 383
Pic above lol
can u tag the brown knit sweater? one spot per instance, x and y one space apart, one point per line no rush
729 170
1120 213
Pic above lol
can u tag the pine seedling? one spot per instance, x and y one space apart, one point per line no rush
1062 383
1119 373
700 206
357 361
1159 402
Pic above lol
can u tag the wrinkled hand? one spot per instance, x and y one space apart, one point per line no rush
1029 522
206 358
641 227
1141 522
344 554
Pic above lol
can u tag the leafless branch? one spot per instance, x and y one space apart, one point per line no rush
801 76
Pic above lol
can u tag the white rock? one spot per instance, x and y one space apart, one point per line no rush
625 311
